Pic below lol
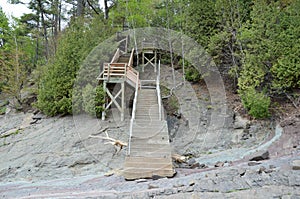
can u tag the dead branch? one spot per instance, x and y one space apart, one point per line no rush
179 158
292 100
100 131
118 143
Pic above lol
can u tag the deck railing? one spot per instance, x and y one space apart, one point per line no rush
118 70
146 45
158 91
114 70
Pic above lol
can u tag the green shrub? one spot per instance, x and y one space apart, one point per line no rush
2 110
73 67
93 100
257 103
191 73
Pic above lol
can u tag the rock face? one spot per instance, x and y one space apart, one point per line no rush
236 182
55 147
240 123
56 157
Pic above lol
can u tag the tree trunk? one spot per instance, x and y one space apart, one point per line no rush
80 7
44 29
106 9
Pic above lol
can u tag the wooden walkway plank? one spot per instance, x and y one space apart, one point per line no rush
150 153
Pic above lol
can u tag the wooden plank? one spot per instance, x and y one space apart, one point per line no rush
150 152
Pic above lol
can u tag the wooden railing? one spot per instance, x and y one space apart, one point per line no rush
116 56
158 92
133 111
119 70
130 62
114 70
146 45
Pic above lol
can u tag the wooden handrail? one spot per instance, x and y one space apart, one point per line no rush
130 62
158 92
116 56
133 111
147 44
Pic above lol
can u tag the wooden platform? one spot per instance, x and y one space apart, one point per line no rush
150 152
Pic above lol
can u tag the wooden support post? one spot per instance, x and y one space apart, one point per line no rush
152 61
143 61
103 112
113 100
155 60
123 101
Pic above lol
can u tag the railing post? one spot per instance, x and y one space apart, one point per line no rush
108 71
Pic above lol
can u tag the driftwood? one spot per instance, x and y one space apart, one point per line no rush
117 143
179 158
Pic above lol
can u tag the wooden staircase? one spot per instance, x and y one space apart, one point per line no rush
150 152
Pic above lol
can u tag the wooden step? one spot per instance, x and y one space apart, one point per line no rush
161 154
151 147
147 167
139 173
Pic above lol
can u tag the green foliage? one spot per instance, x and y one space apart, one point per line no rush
201 21
271 41
15 58
58 77
93 100
4 30
257 103
136 13
2 110
99 100
88 95
191 73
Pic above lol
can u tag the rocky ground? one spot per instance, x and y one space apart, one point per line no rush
43 157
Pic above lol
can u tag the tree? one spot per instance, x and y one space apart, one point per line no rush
271 41
201 22
16 53
59 75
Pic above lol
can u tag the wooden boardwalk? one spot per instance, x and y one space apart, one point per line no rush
150 152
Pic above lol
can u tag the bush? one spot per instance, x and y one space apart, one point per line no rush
93 100
191 73
59 76
2 110
257 103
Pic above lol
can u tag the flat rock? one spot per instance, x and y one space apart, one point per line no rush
38 116
260 155
152 186
240 123
253 163
219 164
9 132
295 164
